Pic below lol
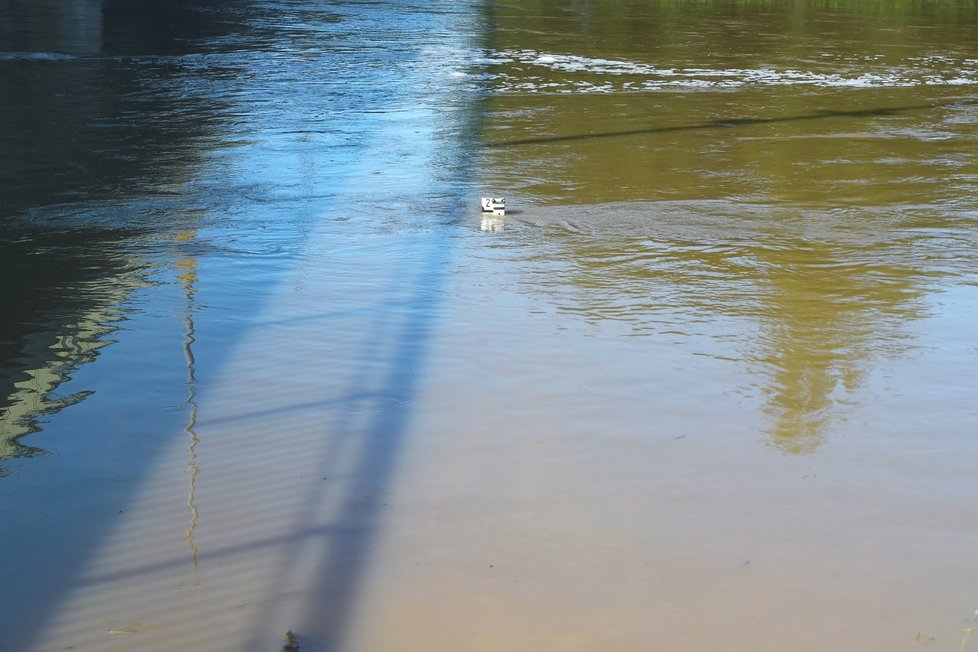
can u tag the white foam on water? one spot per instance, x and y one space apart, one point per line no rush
532 71
960 81
35 56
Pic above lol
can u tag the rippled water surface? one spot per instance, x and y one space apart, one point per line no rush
708 384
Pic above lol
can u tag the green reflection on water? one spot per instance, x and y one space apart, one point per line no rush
81 124
784 180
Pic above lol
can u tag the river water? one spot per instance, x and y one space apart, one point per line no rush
264 366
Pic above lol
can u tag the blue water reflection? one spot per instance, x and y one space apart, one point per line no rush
170 165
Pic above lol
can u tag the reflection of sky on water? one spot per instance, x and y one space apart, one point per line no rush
125 123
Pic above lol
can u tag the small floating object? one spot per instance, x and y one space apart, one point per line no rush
291 642
494 205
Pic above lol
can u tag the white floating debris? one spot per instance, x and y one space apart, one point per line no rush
494 205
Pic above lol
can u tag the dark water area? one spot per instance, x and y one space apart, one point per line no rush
93 116
265 367
95 140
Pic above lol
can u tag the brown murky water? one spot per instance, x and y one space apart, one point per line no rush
709 384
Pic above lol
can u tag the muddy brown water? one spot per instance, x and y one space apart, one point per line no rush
265 367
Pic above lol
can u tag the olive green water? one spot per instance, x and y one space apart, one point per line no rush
744 238
794 181
708 384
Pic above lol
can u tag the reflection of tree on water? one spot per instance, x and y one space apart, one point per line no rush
716 29
80 123
805 300
824 315
60 306
806 315
35 396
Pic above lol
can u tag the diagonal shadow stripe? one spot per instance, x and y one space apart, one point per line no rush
726 123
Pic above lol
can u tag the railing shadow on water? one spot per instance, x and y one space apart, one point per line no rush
346 554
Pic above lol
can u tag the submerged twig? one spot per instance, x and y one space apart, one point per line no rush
968 631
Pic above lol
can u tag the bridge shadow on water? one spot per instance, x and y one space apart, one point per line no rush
727 123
